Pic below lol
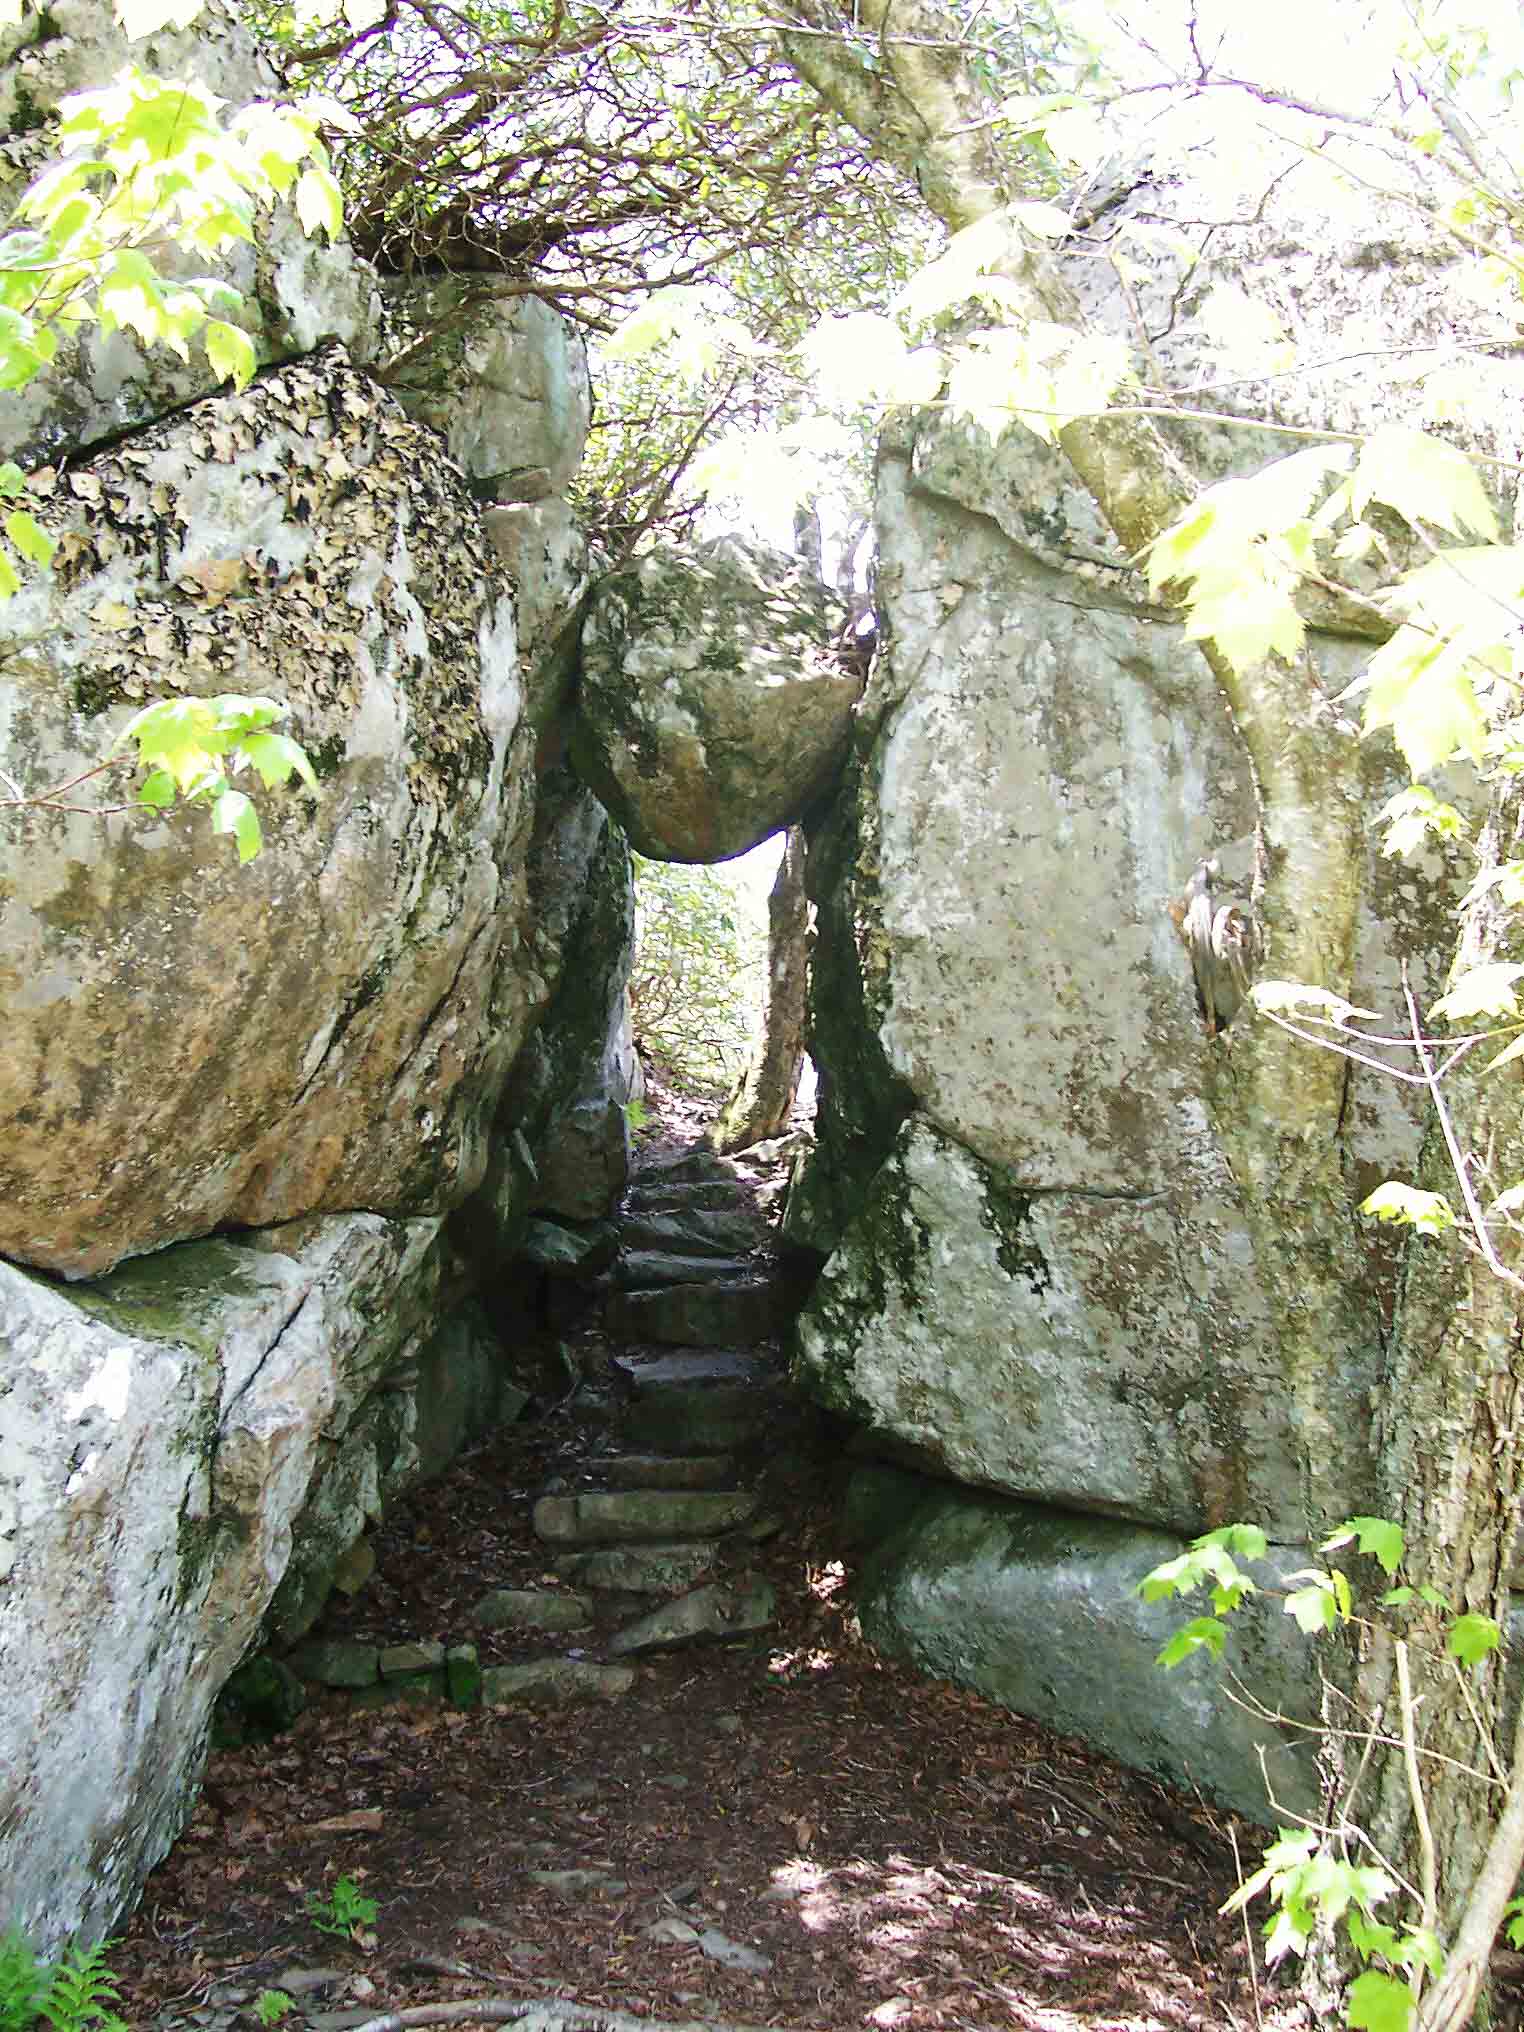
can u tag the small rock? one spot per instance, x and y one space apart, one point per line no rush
569 1882
301 1982
672 1932
720 1947
729 1724
401 1661
335 1661
665 1471
355 1567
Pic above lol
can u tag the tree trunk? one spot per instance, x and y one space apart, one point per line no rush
764 1098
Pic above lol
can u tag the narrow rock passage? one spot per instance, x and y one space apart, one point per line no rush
600 1728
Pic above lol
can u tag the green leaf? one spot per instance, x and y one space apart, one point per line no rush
1425 480
1377 1536
1378 2002
233 813
1314 1608
1471 1638
29 537
1430 1212
319 203
10 580
1481 991
1397 1598
157 790
277 758
1243 1541
231 353
1206 1633
12 480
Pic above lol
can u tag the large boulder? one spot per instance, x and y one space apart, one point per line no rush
165 1431
191 1043
1039 1609
297 290
713 709
1042 1275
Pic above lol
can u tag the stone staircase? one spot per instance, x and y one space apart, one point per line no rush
652 1522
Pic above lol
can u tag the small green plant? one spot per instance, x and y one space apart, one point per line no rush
270 2006
74 1995
22 1984
1306 1874
344 1911
637 1116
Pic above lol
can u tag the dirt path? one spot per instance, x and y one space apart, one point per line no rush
778 1830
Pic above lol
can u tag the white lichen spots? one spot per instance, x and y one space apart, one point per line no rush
109 1387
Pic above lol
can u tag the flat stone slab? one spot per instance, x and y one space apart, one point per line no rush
698 1370
680 1195
695 1233
698 1315
685 1418
336 1661
554 1679
404 1661
683 1164
642 1516
665 1471
638 1569
647 1269
708 1615
531 1609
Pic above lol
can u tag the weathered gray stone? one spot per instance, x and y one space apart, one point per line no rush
163 1429
504 381
554 1679
531 1609
1038 1609
711 712
355 1567
714 1315
336 1661
301 527
410 1661
638 1569
650 1269
544 551
701 1231
636 1516
714 1613
678 1196
569 1252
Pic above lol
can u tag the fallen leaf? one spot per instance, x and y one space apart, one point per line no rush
364 1820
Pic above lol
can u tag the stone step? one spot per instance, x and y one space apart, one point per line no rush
698 1315
569 1252
712 1195
688 1165
664 1471
649 1269
699 1233
679 1420
554 1679
636 1516
709 1614
531 1609
638 1569
696 1369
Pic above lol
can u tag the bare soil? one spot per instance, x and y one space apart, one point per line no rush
904 1854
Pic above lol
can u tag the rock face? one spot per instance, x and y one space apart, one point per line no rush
192 1042
1041 1277
711 712
163 1430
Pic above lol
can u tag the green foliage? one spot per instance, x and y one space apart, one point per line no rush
345 1912
695 987
1306 1874
190 748
271 2006
75 1994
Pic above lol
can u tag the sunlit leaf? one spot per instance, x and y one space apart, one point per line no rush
1482 991
1471 1638
1425 480
233 813
1430 1212
1378 1536
231 353
1378 2002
